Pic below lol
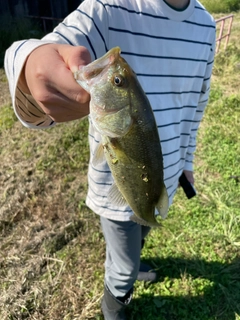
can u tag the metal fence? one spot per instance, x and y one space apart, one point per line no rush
221 28
44 21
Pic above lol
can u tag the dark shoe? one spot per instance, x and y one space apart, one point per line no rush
146 273
114 308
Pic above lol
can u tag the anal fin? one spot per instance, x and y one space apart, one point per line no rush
163 203
138 220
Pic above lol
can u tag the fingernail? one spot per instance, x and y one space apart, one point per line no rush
74 69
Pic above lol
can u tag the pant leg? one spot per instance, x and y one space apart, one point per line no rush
123 248
145 231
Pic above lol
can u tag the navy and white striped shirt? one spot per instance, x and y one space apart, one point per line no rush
171 52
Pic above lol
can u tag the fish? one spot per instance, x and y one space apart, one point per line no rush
121 112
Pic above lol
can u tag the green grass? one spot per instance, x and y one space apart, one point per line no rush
197 251
7 118
221 6
52 247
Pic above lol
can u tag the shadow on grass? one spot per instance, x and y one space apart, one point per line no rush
213 291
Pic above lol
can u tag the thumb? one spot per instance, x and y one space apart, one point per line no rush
75 56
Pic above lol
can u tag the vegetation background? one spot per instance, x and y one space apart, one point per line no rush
51 244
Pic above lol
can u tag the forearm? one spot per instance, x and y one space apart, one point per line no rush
15 58
44 90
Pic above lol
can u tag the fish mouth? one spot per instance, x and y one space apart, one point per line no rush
102 110
86 75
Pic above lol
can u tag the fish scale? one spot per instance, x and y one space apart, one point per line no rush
121 112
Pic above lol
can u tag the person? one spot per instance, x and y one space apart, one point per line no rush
170 44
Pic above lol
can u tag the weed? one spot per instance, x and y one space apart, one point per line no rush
52 247
7 118
221 6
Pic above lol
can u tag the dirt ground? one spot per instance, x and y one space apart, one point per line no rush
42 214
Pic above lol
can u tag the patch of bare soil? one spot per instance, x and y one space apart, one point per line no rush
46 259
50 242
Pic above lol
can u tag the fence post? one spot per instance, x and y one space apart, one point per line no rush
229 31
221 36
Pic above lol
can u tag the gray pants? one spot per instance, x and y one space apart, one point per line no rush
123 249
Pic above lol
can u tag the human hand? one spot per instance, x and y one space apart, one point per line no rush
189 175
48 77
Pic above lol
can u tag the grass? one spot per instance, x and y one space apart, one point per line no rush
7 119
52 247
221 6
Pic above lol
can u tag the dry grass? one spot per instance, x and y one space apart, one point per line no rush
47 268
52 248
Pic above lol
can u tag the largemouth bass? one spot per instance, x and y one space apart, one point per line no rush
120 111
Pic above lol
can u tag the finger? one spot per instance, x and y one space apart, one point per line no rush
51 77
60 113
51 82
76 57
61 109
73 57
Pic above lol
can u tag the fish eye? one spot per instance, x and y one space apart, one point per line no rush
118 81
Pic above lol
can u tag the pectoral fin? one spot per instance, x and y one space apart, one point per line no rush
115 197
98 156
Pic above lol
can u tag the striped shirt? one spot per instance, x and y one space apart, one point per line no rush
171 52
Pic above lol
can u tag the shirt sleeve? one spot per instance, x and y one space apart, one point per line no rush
204 96
25 107
86 26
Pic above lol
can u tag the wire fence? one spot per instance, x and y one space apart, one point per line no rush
224 26
44 21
